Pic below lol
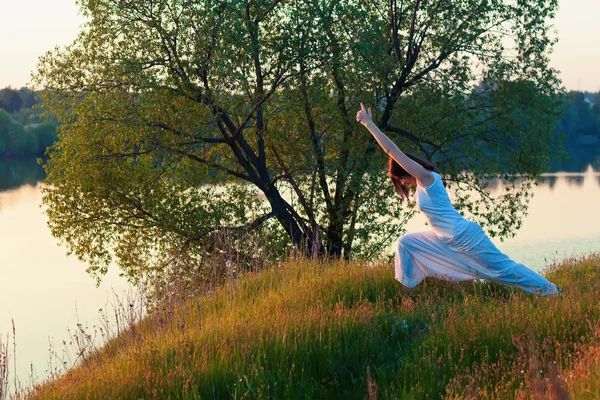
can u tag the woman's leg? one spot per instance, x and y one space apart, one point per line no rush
497 266
423 254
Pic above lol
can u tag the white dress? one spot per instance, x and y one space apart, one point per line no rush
457 249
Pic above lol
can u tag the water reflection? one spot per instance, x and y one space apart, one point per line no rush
578 160
572 179
18 171
43 290
581 164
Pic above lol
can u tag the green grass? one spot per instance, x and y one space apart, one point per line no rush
308 330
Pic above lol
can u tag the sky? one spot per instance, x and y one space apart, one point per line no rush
30 28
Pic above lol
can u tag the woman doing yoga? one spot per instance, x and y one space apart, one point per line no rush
455 249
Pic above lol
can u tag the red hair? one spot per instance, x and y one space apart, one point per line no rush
396 172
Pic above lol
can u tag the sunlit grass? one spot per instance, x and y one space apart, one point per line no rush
310 330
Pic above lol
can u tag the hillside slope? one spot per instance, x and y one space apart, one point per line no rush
308 330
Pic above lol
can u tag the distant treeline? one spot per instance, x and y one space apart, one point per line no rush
23 130
580 127
581 119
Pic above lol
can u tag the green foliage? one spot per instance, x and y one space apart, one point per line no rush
157 99
33 116
586 122
13 100
580 128
17 140
5 123
28 98
12 135
345 331
10 100
596 106
31 143
45 135
25 131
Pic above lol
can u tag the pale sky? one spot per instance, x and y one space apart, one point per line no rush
29 28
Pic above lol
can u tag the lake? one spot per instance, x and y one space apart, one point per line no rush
42 289
47 293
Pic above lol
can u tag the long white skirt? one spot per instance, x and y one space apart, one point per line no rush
470 255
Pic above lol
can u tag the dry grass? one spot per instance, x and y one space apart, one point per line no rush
4 361
310 330
584 379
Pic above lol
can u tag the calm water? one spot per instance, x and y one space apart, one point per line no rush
46 292
41 288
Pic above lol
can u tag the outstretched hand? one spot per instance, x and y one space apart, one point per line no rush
363 115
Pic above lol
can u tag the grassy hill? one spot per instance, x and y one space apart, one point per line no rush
339 330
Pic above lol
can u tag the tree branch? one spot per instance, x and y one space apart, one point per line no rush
288 176
409 136
236 230
213 165
180 133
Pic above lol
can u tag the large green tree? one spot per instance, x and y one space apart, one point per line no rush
181 119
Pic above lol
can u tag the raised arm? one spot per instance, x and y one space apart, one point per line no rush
420 173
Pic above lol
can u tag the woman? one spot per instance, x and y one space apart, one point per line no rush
455 249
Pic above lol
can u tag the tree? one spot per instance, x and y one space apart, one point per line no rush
5 123
27 97
10 100
45 134
596 106
258 98
12 135
586 120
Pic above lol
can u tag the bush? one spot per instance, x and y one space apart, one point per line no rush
12 135
45 134
31 143
15 139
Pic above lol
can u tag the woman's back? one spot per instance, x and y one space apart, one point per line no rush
434 202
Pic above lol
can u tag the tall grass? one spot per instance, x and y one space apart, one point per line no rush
3 369
18 391
304 329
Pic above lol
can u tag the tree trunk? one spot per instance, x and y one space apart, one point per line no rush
302 239
335 234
